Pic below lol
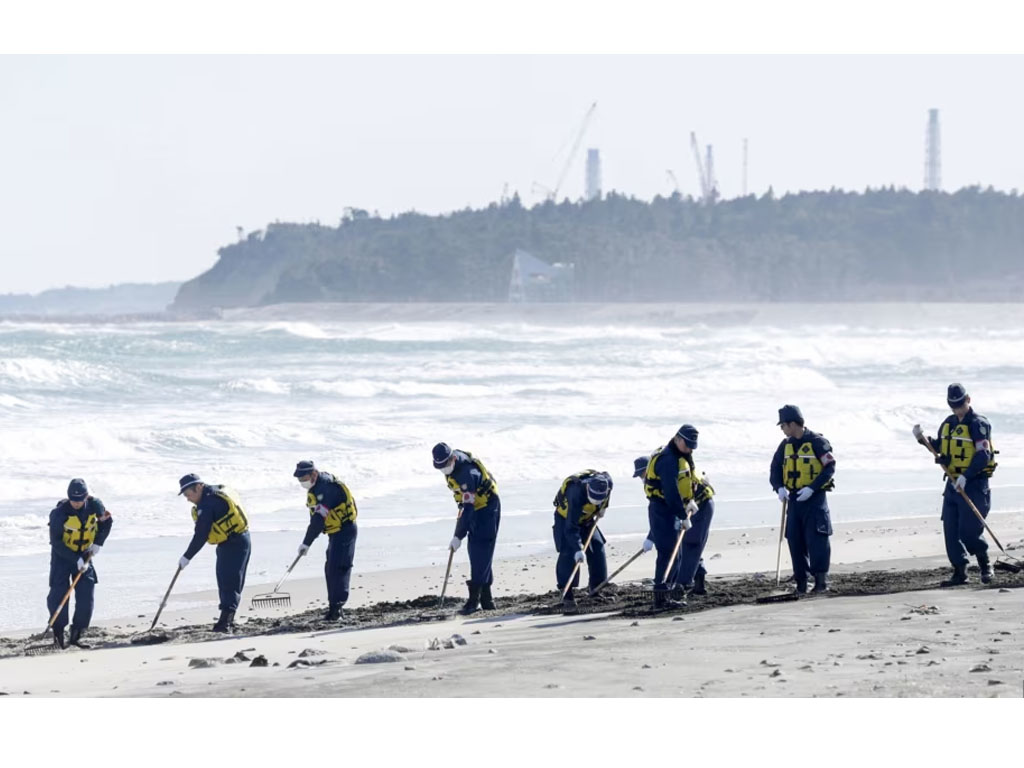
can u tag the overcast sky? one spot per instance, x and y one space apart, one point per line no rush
118 169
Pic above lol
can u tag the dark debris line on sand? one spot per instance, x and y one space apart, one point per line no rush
627 602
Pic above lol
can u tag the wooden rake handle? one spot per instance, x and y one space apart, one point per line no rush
675 551
620 569
164 601
294 563
782 533
576 569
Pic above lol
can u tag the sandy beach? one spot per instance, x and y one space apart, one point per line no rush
886 631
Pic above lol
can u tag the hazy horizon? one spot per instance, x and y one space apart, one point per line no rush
137 169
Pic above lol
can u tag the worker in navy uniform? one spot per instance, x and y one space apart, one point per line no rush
220 520
79 526
678 498
802 473
640 470
580 503
476 493
965 446
332 510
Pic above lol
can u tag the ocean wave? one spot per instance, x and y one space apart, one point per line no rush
60 374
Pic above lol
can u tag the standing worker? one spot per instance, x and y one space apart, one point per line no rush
965 447
79 526
676 495
802 472
220 520
581 501
332 510
476 494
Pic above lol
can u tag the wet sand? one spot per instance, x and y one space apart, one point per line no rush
885 630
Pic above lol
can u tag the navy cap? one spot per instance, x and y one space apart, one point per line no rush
688 433
956 395
640 465
442 453
597 488
78 490
790 413
188 480
304 468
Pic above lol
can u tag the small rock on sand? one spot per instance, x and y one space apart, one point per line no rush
259 661
203 663
589 637
380 657
311 652
981 668
400 648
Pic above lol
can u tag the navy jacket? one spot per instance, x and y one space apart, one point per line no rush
62 511
210 507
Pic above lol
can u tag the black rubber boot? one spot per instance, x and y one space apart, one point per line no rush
569 603
800 588
698 583
662 601
959 577
473 603
820 582
986 568
76 638
486 601
335 613
223 625
59 640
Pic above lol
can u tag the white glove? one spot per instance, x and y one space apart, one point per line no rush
82 565
183 563
94 549
691 507
804 493
454 544
783 493
648 545
961 482
303 549
578 557
918 432
686 524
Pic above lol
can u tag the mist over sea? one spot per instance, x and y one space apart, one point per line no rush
536 393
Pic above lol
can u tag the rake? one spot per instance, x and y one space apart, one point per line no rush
37 649
276 599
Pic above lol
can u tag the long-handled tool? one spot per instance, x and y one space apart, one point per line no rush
447 573
1016 566
675 551
782 532
620 569
576 568
276 599
67 596
163 602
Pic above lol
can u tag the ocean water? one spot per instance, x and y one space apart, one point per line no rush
537 396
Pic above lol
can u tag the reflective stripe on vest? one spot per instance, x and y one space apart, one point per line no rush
233 521
958 445
345 512
78 537
690 486
483 493
561 501
800 466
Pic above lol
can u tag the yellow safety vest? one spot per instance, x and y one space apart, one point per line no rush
483 492
78 537
800 466
958 445
561 501
345 512
233 521
689 484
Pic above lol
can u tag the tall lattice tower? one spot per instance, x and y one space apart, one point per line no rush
593 175
933 153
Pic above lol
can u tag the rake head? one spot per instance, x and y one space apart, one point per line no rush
272 600
1002 564
785 597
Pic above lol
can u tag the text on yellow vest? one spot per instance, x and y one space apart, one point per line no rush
233 521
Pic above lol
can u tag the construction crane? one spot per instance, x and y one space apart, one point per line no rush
552 194
702 177
674 180
709 169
